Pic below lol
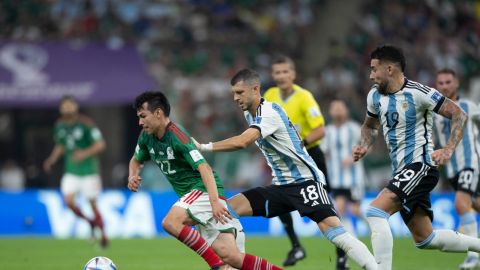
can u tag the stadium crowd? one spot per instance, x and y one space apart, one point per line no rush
191 47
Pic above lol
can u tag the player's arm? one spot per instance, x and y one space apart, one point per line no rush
314 135
368 134
134 168
57 152
135 165
238 142
94 149
220 213
313 115
458 119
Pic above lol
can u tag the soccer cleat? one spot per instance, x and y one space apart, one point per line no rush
470 263
294 255
342 263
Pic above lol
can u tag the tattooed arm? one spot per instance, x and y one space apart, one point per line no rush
369 133
458 118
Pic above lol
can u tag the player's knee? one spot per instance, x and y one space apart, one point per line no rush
169 224
228 253
462 207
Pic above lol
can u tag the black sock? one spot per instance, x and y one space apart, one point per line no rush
340 253
288 225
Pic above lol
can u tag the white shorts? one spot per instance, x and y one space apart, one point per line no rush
199 209
89 186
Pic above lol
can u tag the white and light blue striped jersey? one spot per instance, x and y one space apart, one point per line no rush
466 153
282 146
337 145
406 118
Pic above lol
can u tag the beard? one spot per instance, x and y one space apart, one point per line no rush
382 88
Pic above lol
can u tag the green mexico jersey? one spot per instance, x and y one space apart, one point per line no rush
178 158
74 136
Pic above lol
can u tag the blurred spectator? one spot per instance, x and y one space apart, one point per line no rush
12 177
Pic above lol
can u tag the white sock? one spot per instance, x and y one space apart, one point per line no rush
382 239
348 225
354 248
450 241
468 226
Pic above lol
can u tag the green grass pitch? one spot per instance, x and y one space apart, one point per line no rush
169 254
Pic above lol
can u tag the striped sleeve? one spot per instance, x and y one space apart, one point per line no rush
429 97
371 110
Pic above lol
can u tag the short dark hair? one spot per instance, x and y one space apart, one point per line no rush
389 53
155 100
447 71
246 75
283 59
68 98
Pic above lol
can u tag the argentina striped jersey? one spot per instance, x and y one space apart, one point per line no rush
282 146
406 119
337 145
466 152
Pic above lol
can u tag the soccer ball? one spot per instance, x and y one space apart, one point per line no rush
100 263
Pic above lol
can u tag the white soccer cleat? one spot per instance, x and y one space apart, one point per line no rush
470 263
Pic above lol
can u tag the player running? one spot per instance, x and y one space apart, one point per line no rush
79 141
462 169
297 183
202 198
305 114
404 108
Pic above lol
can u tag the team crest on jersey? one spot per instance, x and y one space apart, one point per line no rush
77 133
170 153
405 105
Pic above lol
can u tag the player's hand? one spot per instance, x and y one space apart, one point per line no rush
134 182
441 156
204 147
359 152
347 162
220 212
79 155
197 144
47 165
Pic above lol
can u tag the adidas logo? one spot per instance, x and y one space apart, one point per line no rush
397 184
315 203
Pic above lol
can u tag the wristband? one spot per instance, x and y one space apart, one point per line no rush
206 147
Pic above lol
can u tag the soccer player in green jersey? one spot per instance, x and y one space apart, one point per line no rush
79 141
202 198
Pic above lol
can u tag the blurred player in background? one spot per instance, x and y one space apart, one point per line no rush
346 177
80 142
202 198
404 108
462 169
305 114
297 182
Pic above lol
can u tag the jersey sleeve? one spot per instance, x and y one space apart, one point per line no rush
474 112
58 135
95 133
189 152
431 99
371 109
312 111
268 122
141 150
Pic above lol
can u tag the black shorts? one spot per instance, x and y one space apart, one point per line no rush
413 185
309 198
317 156
347 193
465 181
